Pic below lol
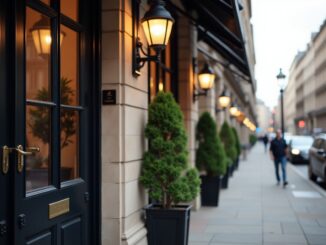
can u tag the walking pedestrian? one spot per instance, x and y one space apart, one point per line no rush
265 141
278 150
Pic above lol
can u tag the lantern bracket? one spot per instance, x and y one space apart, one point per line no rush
140 61
198 93
218 110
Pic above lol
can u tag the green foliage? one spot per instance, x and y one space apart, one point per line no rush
228 140
237 141
40 116
165 173
252 139
210 155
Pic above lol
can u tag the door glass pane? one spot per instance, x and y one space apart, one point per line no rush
69 67
70 8
46 2
69 126
38 53
38 134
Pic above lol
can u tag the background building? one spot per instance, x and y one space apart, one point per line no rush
305 95
264 116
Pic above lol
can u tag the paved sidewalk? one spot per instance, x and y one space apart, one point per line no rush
254 210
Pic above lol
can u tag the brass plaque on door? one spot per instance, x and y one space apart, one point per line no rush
59 208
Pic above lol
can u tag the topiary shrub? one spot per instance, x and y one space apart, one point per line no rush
228 140
165 172
237 141
210 155
252 139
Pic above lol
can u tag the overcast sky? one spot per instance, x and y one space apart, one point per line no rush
281 29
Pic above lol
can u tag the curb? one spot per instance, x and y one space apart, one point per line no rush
313 185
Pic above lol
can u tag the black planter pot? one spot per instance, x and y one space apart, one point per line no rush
210 190
225 179
237 163
167 226
231 169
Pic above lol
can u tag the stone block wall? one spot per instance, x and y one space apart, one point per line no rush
123 141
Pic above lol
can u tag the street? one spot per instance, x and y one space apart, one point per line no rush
302 169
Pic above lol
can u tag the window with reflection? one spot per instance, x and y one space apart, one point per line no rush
163 76
38 91
69 114
49 95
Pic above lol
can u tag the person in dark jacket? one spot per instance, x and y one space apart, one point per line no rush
278 150
265 141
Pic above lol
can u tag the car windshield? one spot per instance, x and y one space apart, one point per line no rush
304 141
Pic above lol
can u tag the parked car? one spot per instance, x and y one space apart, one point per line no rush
317 157
299 148
288 137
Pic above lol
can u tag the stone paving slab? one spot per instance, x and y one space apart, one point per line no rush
254 210
237 238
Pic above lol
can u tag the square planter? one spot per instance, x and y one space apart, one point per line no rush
225 179
210 190
237 164
231 169
167 226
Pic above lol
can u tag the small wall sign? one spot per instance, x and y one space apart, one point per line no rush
109 97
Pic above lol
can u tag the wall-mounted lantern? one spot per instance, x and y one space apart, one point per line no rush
157 25
224 100
234 110
241 117
41 33
206 78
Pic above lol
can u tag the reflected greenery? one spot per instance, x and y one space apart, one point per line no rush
40 123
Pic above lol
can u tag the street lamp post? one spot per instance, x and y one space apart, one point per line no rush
281 81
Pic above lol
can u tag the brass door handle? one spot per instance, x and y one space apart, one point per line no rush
21 153
5 159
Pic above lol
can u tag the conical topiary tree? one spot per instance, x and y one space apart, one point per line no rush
237 141
165 173
228 140
210 155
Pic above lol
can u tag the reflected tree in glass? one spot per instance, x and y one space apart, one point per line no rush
39 121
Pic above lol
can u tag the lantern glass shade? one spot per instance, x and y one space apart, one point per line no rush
206 78
157 31
206 81
241 117
157 25
224 101
234 111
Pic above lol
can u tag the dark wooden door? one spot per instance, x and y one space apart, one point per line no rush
51 127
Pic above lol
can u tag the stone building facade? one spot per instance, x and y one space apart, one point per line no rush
123 141
305 94
264 117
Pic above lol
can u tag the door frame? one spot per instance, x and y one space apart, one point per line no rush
14 73
95 176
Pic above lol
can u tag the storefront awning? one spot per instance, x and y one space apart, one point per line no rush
219 26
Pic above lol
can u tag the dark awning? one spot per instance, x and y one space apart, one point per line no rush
218 25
